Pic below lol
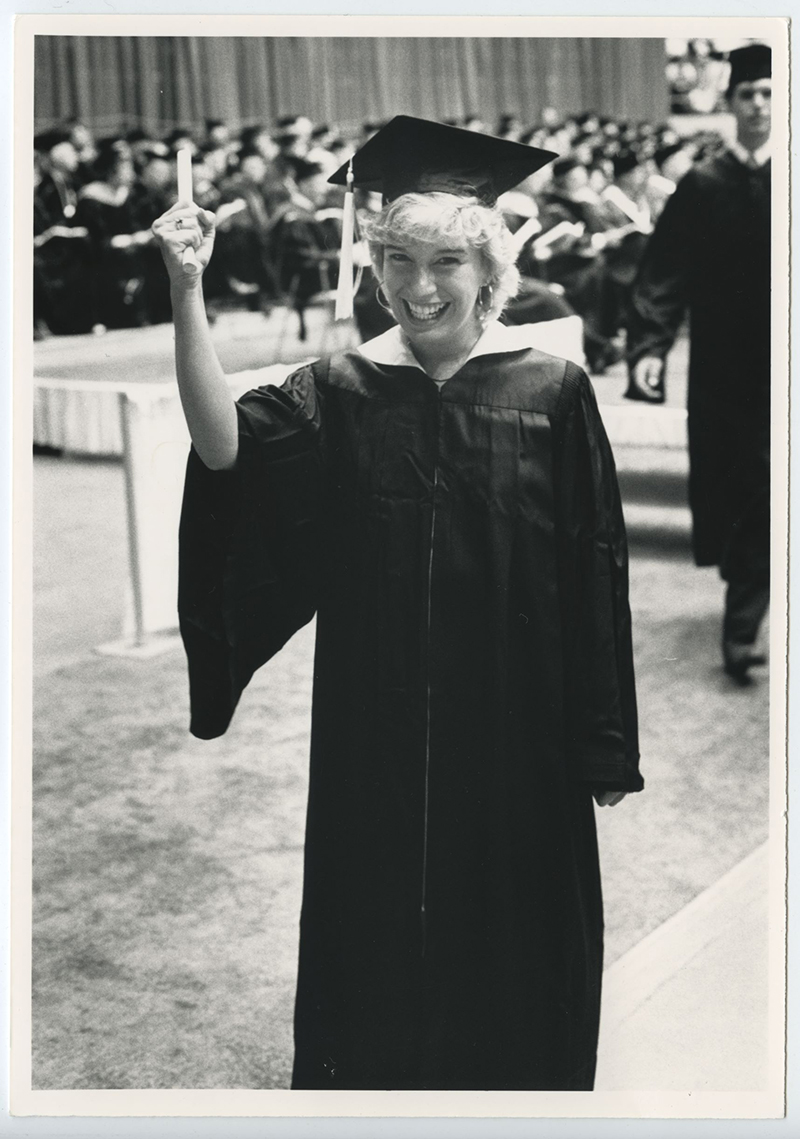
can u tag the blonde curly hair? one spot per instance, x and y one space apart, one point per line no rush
443 217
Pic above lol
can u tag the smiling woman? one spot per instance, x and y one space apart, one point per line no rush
444 499
446 265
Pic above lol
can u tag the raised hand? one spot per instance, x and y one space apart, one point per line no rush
185 227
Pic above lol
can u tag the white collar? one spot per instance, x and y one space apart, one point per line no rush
747 157
392 347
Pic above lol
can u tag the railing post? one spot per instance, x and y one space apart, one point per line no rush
134 553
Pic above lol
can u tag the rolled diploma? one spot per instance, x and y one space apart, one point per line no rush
184 157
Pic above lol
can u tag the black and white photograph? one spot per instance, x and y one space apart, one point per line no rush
401 417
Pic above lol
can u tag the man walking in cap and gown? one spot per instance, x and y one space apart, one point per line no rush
710 255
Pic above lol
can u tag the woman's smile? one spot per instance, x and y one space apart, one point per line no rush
425 313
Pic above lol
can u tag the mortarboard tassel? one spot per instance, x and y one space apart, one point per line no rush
344 291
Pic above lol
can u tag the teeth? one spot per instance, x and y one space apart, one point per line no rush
425 312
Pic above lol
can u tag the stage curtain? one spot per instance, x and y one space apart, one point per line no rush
115 83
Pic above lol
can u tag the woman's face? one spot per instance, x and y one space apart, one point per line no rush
433 289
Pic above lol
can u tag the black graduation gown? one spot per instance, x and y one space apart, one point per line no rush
465 553
146 206
710 253
306 247
243 241
581 270
573 261
62 265
118 275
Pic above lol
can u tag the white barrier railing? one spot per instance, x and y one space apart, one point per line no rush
144 423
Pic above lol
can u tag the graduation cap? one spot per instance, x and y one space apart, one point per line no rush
562 166
176 137
627 160
749 64
47 140
303 168
297 125
410 155
110 151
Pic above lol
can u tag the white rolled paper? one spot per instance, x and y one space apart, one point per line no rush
185 176
184 157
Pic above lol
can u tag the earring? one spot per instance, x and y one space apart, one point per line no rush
486 303
381 298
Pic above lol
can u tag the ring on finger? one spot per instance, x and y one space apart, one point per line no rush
179 223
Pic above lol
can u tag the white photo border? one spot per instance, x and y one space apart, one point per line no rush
49 1113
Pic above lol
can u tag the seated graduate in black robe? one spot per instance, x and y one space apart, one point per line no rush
306 238
444 499
107 207
245 222
586 225
61 258
152 193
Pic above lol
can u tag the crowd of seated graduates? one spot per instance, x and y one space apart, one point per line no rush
581 222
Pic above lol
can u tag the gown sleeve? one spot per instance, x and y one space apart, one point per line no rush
249 546
600 694
660 292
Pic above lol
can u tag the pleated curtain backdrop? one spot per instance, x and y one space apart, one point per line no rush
114 83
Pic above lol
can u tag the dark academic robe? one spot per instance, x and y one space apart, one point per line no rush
118 275
62 265
710 254
146 205
244 241
573 258
581 270
464 551
306 246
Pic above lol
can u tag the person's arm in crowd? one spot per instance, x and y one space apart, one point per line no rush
228 210
68 231
207 401
660 294
131 240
